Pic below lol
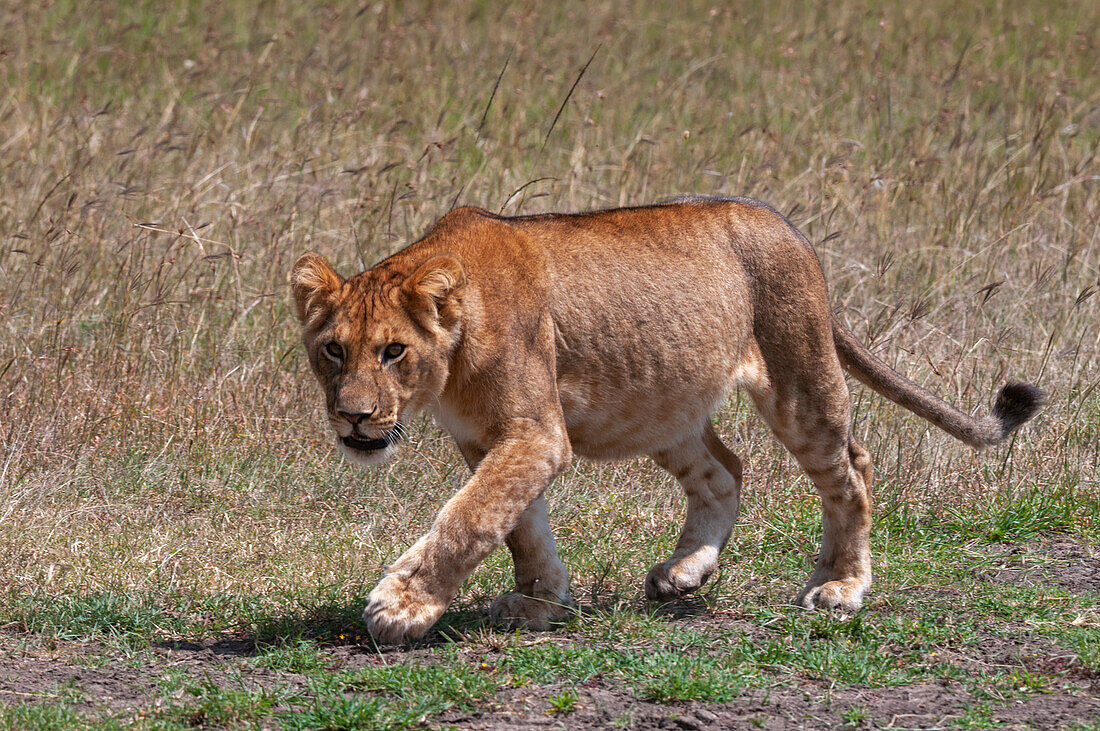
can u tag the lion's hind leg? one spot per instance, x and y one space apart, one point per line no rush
810 415
711 477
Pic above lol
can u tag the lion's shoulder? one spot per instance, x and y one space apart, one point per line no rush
464 216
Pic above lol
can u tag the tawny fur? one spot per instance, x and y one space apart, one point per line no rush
605 334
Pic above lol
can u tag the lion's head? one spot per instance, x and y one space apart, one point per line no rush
379 343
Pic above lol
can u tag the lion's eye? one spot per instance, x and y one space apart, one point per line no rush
393 351
334 351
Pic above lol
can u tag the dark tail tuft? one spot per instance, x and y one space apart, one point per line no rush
1016 403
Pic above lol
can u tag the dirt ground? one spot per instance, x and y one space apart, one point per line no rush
25 675
1060 562
922 706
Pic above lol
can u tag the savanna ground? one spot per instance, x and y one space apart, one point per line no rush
181 544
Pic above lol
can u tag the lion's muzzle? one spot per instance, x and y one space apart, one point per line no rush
368 444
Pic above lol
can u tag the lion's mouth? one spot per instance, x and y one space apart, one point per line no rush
365 444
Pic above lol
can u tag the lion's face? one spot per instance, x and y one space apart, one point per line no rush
379 344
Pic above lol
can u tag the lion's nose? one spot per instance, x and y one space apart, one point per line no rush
355 416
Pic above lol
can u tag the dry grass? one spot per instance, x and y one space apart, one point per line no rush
162 169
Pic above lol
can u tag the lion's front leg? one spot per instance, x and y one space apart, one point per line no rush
417 588
541 597
410 597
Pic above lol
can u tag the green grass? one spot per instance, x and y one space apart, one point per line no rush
33 717
655 659
1042 509
123 617
931 611
564 702
210 705
1084 640
302 657
339 713
375 697
979 715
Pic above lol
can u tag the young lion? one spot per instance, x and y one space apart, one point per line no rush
604 334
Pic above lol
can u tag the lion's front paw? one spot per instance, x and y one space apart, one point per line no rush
396 611
845 595
539 613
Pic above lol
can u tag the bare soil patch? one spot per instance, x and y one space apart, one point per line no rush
918 706
29 673
1063 562
1022 651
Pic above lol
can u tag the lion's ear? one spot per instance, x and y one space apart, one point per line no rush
313 283
435 288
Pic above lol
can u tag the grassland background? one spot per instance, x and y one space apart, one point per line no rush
163 164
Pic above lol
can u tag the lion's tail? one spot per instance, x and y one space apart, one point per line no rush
1016 403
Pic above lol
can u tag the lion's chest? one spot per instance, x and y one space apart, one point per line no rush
463 428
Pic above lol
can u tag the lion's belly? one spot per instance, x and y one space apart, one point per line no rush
612 413
605 428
